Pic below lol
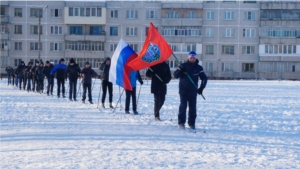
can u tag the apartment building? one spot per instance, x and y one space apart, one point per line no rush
233 39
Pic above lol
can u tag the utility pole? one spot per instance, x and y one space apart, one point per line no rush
39 32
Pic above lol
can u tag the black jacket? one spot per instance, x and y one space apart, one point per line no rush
20 71
9 70
105 70
33 70
87 75
28 73
39 73
72 72
186 86
163 71
47 70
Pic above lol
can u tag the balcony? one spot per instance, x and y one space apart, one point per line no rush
4 3
187 5
279 5
73 37
4 18
181 21
4 35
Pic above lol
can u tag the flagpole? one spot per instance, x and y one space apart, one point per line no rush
188 75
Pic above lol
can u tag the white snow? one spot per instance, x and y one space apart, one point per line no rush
248 124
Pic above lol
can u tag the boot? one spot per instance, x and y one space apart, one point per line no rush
103 105
111 106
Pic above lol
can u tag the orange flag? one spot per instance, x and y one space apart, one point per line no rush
154 51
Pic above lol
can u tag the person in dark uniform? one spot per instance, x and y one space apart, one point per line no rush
87 73
105 66
59 69
73 72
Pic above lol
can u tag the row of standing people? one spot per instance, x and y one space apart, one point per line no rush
188 74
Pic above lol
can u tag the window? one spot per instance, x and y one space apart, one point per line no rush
192 14
18 62
210 1
131 14
280 49
228 32
85 12
228 15
172 14
248 50
175 47
35 46
229 0
113 31
209 66
56 30
18 45
279 32
210 15
55 46
248 67
182 31
84 45
229 50
36 12
248 32
209 49
95 30
34 29
114 13
18 12
18 29
151 14
189 47
76 30
56 13
113 47
227 66
134 47
131 31
2 11
4 45
249 15
209 32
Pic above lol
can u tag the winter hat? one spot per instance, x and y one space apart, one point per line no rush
29 63
192 54
62 60
72 60
37 61
108 58
22 62
47 62
87 63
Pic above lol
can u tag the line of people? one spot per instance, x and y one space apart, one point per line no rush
188 74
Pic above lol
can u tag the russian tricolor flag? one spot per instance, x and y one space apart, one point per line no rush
119 70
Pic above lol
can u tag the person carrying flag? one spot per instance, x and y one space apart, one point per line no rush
188 74
161 76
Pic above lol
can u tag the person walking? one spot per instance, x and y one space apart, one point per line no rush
34 77
161 76
40 78
188 74
25 74
9 72
87 73
73 72
105 66
28 76
133 76
50 81
20 73
59 69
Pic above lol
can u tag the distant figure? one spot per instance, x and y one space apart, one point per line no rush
40 78
105 66
73 72
28 76
34 77
59 69
50 81
9 71
87 74
20 73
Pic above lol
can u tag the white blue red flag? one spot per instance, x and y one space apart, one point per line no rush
119 70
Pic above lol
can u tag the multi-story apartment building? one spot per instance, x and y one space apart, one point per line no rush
233 39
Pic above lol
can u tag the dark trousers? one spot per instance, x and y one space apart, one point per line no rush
106 84
40 85
8 78
17 81
34 84
28 84
184 100
13 80
159 99
72 88
60 82
50 85
21 80
25 82
128 95
88 87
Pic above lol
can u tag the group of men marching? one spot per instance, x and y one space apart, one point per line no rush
188 74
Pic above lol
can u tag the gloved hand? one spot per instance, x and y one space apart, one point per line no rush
141 82
200 90
182 69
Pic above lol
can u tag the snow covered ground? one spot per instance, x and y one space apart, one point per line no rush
248 124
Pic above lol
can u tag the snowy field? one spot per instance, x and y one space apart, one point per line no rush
248 124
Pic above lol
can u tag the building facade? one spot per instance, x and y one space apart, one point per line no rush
233 39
